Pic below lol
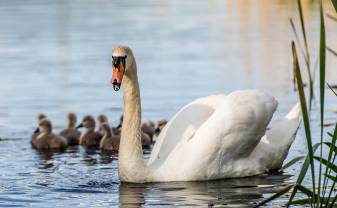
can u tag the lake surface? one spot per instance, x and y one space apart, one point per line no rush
55 57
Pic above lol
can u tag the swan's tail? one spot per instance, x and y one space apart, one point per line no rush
295 112
274 146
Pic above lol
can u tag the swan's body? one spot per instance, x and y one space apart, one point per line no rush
213 137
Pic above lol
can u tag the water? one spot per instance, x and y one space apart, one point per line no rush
55 58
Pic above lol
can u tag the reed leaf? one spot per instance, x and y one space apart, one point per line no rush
326 163
333 178
305 190
331 147
309 201
291 162
331 51
322 51
307 57
302 201
275 196
305 114
292 24
332 89
302 174
334 3
332 17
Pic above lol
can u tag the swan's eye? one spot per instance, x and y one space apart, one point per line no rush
117 60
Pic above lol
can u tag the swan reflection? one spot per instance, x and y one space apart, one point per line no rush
241 192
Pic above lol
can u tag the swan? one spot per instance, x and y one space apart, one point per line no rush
90 137
213 137
71 133
47 139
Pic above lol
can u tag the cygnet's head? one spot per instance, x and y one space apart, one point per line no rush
87 122
40 116
122 59
106 129
45 126
160 125
72 120
101 119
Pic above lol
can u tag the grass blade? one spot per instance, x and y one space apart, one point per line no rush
302 174
307 57
332 17
322 51
305 116
332 89
327 163
275 196
305 190
302 201
334 3
333 178
331 149
297 38
291 162
331 51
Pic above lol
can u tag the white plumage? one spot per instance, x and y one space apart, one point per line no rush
214 137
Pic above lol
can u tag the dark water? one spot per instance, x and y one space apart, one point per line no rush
55 58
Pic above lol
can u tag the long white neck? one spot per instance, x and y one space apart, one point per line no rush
132 167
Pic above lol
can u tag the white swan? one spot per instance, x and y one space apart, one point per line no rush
214 137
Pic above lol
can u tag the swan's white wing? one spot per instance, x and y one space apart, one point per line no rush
183 125
230 133
274 146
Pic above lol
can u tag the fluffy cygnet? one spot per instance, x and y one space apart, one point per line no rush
160 125
36 133
149 127
71 133
90 137
109 141
47 139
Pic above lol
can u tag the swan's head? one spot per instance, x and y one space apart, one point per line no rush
72 120
102 119
122 59
45 126
87 122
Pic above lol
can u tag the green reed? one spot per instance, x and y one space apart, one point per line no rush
322 192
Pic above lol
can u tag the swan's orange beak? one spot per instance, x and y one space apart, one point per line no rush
117 76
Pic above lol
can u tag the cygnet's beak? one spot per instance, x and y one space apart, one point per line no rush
118 65
79 126
37 130
157 130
